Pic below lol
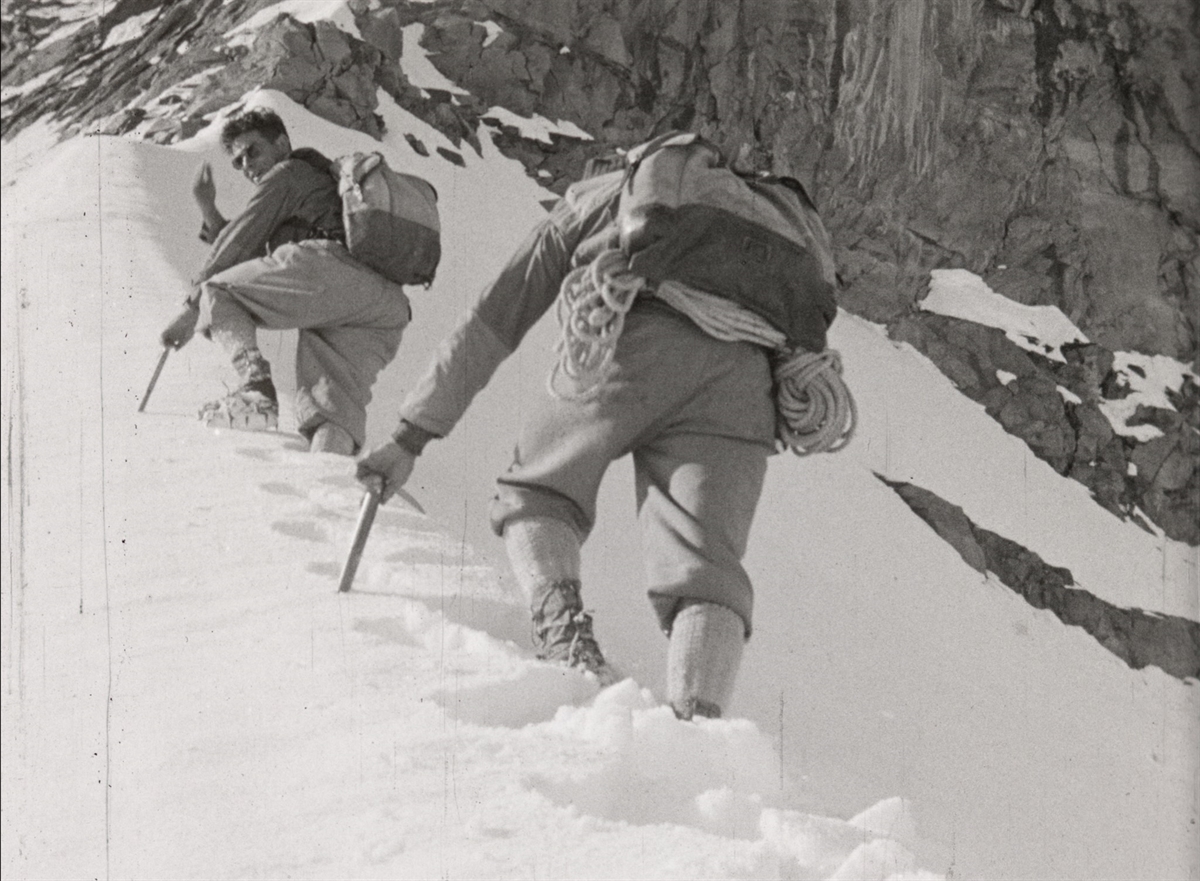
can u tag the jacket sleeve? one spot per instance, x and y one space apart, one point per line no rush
246 236
492 329
209 233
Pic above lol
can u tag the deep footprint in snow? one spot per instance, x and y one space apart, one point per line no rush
302 529
286 441
500 620
279 488
533 694
389 630
254 453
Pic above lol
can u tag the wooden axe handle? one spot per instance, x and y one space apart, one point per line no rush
162 359
366 516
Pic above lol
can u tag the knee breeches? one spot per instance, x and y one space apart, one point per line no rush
350 320
697 416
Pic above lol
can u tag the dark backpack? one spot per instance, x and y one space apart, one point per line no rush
391 219
685 215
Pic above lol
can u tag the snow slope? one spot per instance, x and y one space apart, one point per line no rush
186 695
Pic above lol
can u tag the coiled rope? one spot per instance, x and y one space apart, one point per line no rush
815 412
591 308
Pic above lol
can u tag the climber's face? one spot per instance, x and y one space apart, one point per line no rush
254 154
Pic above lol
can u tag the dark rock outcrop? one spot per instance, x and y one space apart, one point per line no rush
1055 408
1137 637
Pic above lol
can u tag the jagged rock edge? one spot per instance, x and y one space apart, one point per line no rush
1137 637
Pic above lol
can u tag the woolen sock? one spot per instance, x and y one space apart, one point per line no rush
542 551
251 366
703 657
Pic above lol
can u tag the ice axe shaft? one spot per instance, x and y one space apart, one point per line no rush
366 516
162 359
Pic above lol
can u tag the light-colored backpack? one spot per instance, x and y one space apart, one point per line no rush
391 219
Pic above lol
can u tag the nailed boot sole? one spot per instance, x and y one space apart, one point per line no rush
218 417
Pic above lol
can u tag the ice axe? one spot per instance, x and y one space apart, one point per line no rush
366 517
162 359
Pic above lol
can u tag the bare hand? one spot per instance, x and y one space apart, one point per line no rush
386 468
204 190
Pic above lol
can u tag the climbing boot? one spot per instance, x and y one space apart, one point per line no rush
562 631
253 407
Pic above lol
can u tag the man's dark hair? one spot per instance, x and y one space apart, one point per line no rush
265 122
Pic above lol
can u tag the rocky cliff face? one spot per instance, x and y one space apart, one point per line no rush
1051 146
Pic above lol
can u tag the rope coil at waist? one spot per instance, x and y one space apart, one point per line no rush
814 409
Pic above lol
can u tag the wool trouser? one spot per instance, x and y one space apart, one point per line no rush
697 415
350 320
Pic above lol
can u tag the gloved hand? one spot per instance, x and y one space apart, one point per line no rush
387 468
182 328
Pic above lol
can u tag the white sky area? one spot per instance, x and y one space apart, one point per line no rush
1044 329
186 694
130 29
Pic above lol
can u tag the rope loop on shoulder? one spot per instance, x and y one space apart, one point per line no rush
591 309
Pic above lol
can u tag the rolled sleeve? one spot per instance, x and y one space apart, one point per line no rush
209 233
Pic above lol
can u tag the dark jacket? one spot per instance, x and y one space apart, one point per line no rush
294 201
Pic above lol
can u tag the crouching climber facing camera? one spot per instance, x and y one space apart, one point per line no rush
282 263
637 376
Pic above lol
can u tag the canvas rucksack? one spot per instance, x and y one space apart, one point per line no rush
684 215
745 257
391 219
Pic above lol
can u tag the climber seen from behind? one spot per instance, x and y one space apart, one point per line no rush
641 373
282 263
